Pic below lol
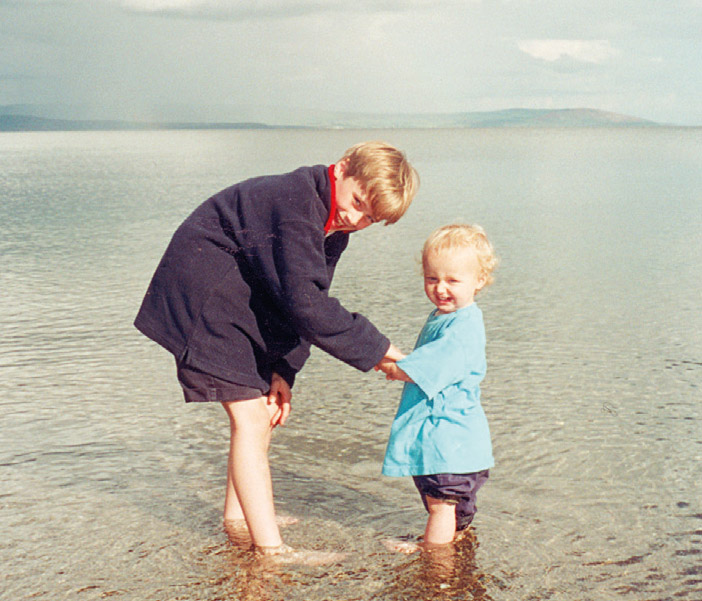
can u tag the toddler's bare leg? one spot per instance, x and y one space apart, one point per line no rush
249 485
441 525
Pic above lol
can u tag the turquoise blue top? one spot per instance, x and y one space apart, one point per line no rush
440 426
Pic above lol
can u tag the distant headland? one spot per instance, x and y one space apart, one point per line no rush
18 118
32 123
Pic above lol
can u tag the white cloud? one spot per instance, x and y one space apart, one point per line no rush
157 5
585 51
233 8
182 6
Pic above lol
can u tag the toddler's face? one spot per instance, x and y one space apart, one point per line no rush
452 277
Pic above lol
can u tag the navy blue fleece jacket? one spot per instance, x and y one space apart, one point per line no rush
242 289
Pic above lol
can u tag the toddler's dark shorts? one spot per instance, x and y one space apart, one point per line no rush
458 489
199 387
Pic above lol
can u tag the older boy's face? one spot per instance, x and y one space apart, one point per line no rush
451 278
353 212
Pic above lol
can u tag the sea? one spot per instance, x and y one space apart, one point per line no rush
112 487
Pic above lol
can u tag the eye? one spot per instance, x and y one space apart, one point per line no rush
362 206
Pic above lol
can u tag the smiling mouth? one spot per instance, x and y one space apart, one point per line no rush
342 224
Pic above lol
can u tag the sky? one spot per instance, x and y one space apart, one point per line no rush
265 59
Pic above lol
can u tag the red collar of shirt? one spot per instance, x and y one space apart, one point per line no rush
332 206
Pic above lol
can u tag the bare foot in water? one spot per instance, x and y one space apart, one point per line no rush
286 520
281 520
288 556
401 546
238 532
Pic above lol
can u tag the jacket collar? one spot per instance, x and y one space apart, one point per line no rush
332 206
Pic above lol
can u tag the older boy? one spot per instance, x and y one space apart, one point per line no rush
242 292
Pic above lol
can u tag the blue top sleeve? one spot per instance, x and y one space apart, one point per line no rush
456 352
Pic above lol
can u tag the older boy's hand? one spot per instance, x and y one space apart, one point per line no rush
392 354
389 367
393 372
281 395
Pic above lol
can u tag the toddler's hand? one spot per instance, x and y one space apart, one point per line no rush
392 371
395 373
389 367
384 365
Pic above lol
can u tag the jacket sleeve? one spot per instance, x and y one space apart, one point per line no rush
288 366
304 279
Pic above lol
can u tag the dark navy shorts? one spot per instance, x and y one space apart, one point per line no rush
199 387
458 489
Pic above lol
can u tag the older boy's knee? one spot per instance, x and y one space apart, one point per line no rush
250 415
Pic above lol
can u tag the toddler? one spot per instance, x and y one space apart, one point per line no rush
440 434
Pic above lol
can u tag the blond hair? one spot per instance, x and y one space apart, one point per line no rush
385 175
450 237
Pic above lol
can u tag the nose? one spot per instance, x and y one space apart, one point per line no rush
359 220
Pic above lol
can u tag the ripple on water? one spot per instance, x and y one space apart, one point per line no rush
112 486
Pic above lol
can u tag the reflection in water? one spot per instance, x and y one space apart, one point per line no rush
448 572
246 577
441 573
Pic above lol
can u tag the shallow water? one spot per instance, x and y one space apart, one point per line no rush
112 486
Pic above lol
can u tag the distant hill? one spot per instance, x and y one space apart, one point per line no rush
543 118
554 118
32 123
504 118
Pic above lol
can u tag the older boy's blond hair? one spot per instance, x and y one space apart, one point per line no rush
459 235
385 175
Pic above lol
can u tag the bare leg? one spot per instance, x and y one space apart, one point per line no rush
440 529
232 508
233 513
249 486
441 525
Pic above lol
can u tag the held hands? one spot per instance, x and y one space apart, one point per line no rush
392 372
281 395
389 366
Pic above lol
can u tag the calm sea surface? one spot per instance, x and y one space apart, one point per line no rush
112 487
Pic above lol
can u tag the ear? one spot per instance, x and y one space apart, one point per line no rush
340 169
482 280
